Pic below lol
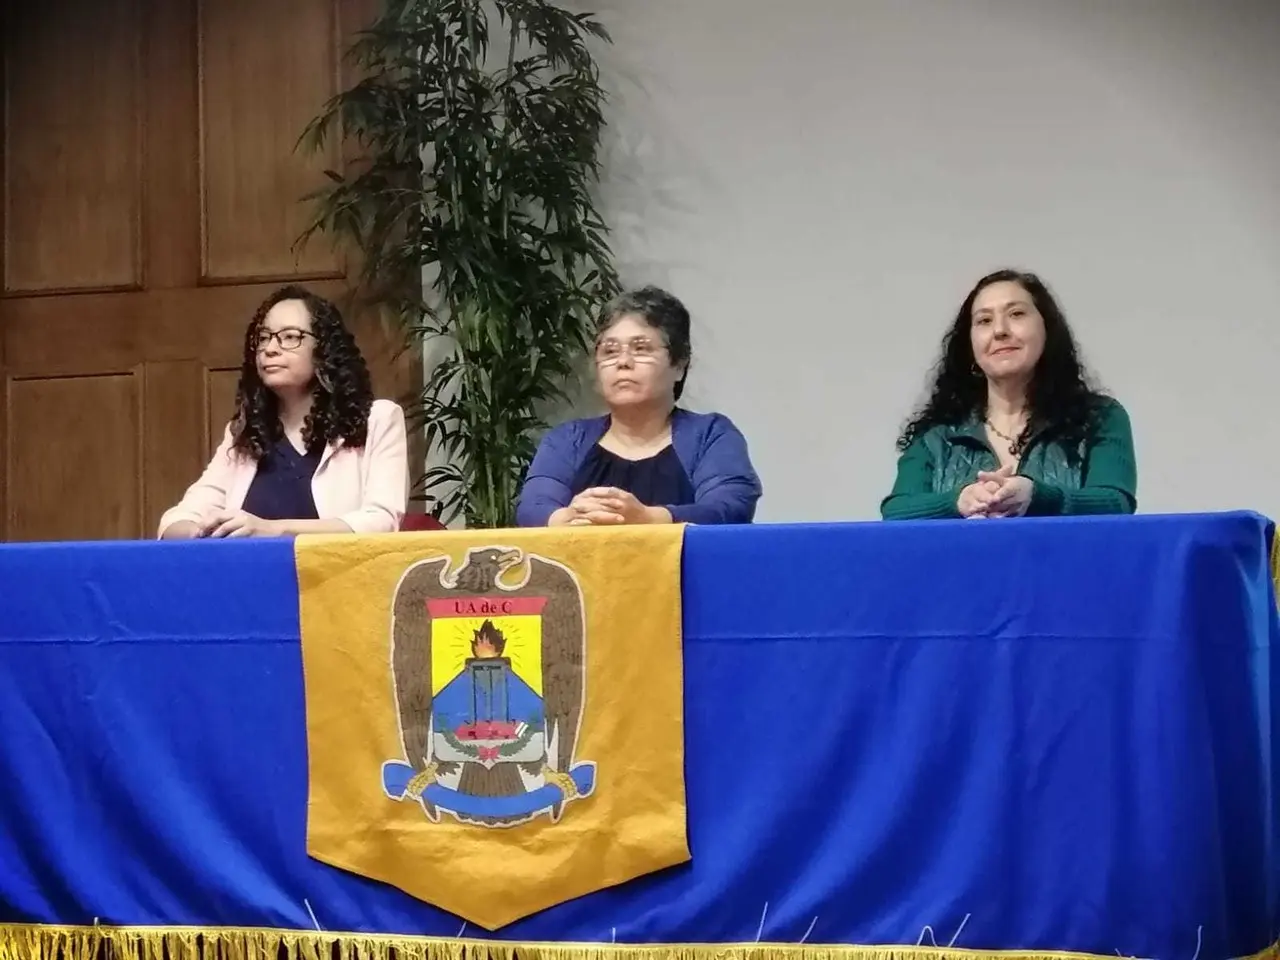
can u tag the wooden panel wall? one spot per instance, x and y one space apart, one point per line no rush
151 199
74 189
58 483
220 396
256 96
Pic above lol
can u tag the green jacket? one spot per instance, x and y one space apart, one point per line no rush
945 459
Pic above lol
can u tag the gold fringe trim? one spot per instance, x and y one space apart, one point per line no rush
38 942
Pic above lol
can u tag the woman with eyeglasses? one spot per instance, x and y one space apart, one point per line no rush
647 460
309 450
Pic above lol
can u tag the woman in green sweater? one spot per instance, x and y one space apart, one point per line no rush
1012 427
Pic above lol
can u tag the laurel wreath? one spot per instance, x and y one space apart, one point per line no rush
506 750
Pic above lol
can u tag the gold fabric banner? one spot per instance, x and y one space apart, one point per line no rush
495 718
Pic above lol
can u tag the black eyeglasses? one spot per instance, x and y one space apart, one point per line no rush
290 338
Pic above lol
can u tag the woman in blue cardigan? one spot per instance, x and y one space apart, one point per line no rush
647 461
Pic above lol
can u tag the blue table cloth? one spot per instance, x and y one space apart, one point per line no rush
1042 734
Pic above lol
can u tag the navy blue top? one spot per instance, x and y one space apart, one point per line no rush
281 489
658 480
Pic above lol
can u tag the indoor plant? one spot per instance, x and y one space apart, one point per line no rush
469 201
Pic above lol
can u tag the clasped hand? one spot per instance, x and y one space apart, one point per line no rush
238 523
609 505
996 493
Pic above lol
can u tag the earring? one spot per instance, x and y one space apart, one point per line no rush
324 382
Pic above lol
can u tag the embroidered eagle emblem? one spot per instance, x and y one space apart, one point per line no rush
488 664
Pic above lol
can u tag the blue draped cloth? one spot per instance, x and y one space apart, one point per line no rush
1042 734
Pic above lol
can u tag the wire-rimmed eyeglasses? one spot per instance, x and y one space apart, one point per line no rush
641 350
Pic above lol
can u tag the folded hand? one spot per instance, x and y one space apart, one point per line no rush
238 523
1012 496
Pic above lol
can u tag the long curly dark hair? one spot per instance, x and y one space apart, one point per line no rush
1061 399
342 393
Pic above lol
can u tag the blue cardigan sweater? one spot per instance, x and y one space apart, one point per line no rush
711 449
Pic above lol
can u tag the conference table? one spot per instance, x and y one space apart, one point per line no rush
1038 735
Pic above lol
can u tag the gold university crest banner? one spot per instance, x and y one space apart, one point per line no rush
495 718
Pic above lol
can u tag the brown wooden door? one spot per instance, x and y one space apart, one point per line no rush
151 199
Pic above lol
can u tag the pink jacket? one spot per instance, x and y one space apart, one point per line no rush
366 488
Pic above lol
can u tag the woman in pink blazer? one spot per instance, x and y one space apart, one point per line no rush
309 449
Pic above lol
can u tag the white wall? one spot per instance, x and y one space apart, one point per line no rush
822 180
